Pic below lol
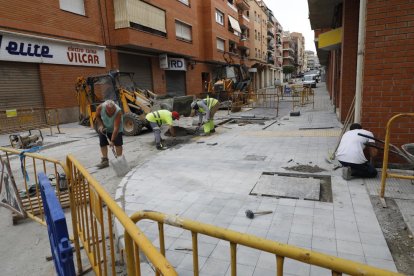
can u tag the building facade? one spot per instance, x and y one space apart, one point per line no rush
378 74
299 44
44 50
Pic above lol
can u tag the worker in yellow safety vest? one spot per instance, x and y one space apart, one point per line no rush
206 107
159 118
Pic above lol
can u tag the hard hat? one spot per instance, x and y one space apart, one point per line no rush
175 115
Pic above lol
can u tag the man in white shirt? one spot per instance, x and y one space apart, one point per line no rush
351 155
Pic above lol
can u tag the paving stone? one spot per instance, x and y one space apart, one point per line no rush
349 247
215 267
304 241
284 186
380 263
323 243
377 251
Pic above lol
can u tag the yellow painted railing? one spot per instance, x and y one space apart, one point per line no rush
281 251
31 165
93 221
385 173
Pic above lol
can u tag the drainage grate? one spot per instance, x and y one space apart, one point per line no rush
291 185
255 157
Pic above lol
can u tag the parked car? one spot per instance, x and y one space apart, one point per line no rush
310 80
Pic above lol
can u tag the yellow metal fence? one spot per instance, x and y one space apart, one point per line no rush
385 173
281 251
94 214
93 222
25 167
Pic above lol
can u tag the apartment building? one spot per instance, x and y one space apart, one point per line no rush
379 74
44 47
278 51
288 55
311 58
299 44
172 46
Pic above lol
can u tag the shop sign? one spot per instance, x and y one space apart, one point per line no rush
164 61
28 48
177 64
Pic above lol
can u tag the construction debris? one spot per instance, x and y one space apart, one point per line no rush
305 168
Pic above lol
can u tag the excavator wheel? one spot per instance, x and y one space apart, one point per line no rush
132 124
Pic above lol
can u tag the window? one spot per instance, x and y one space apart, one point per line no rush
145 17
220 17
185 2
232 47
258 35
183 31
220 44
255 34
75 6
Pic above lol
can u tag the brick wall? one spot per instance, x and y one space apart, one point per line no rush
46 17
389 68
349 55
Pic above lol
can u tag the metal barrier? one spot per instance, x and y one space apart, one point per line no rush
92 225
25 175
24 119
385 173
337 265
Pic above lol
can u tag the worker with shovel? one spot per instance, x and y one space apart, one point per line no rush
109 120
206 107
351 155
157 119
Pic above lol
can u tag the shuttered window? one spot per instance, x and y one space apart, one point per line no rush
220 44
146 15
75 6
183 31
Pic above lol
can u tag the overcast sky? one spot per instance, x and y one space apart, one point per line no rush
293 15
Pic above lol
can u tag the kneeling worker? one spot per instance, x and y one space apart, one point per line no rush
110 126
157 119
351 155
207 107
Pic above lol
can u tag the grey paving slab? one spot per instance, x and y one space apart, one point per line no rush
394 188
212 184
291 187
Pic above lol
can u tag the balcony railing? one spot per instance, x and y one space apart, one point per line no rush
242 4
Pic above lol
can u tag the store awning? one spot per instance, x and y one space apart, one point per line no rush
330 40
235 24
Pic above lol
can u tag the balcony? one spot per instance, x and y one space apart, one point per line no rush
289 58
243 43
243 5
270 60
244 21
270 24
289 49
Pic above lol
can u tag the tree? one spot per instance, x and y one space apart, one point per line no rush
288 69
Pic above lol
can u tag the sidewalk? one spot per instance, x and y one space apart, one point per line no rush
210 181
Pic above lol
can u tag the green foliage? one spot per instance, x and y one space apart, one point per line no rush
288 69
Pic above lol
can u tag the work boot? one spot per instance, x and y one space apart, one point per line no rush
346 173
160 147
104 163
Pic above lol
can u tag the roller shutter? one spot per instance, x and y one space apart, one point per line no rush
20 89
175 83
20 85
140 66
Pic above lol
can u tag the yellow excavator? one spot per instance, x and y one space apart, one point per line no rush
134 102
230 82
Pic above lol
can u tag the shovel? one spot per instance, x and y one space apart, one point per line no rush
119 164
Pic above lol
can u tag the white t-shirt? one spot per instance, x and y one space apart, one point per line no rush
351 148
